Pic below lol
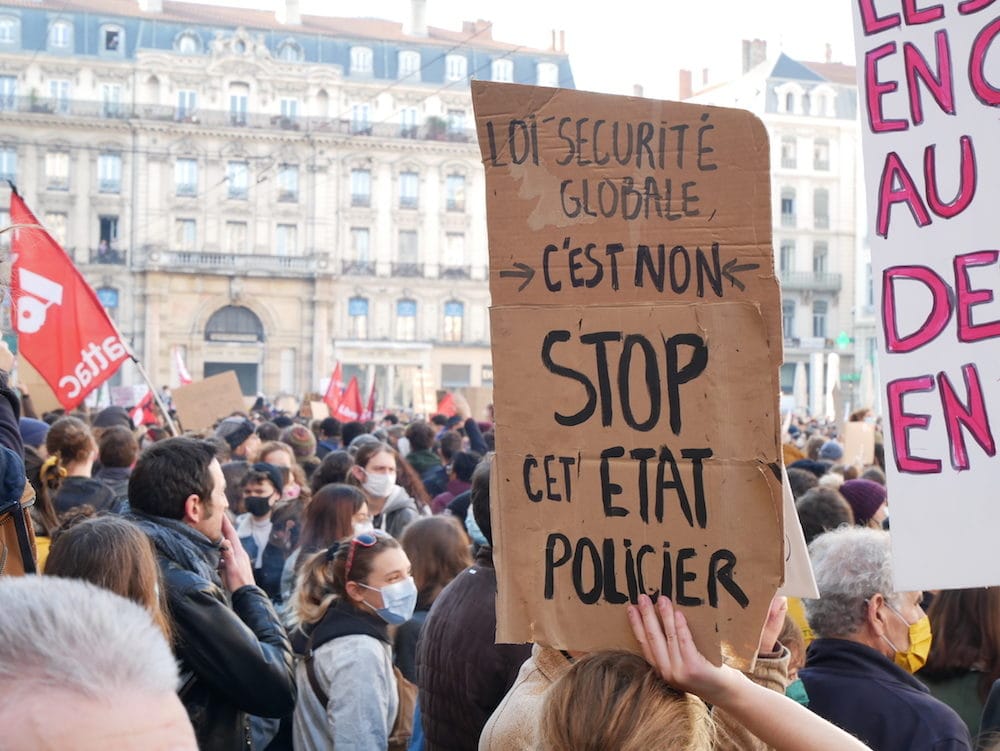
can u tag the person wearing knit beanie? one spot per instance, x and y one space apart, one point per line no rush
831 451
239 433
867 500
302 441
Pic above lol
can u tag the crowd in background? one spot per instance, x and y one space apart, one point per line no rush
312 584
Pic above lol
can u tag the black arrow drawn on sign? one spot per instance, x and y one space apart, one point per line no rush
731 269
524 271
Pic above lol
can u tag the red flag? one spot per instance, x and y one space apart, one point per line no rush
63 330
182 372
349 408
143 413
369 413
446 406
335 390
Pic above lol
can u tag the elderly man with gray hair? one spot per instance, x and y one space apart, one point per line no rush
82 668
870 639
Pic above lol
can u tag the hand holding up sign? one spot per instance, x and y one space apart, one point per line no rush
781 723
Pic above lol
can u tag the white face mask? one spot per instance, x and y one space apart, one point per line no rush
361 528
379 485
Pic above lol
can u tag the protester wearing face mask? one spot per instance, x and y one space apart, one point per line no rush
870 640
374 471
346 598
261 489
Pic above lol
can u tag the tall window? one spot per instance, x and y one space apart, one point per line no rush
788 207
821 208
187 43
357 312
236 237
57 170
361 187
456 67
290 109
502 70
8 164
408 255
360 244
10 30
406 320
454 249
456 122
361 60
112 40
409 65
111 100
187 103
289 51
788 317
820 308
186 177
409 187
55 223
788 152
239 98
786 259
361 123
547 74
454 318
408 122
821 154
8 92
288 183
819 258
109 173
286 239
454 186
238 177
60 36
185 234
59 93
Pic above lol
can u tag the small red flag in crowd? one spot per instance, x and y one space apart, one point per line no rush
350 403
369 413
143 412
63 330
182 372
335 390
446 406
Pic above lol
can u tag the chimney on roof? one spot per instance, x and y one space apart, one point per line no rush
418 18
480 28
829 53
754 53
151 6
685 90
288 13
553 45
637 89
562 40
704 76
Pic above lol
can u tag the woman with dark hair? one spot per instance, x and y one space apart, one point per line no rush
347 596
439 550
66 473
375 472
335 512
964 660
114 554
409 480
333 468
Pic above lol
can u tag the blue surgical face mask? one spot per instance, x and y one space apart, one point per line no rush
398 601
473 529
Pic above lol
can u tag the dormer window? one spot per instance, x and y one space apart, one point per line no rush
503 71
361 60
289 51
10 30
188 43
61 36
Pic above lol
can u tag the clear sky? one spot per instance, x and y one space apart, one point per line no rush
613 46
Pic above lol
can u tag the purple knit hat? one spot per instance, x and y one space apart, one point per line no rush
865 497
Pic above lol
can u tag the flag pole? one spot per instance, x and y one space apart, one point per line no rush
155 393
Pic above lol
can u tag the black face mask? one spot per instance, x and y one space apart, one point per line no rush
257 505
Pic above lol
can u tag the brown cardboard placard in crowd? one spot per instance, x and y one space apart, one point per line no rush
859 443
201 404
636 331
318 410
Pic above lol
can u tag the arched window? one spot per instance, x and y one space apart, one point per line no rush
289 51
409 65
187 43
61 36
234 323
357 311
454 318
361 60
406 320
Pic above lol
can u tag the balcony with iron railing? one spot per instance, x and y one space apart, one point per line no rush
110 256
430 130
406 269
817 281
229 263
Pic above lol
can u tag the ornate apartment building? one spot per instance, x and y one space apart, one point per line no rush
821 254
268 192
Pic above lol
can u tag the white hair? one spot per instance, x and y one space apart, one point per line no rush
851 565
70 635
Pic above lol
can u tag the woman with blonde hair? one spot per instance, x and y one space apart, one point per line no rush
112 553
346 598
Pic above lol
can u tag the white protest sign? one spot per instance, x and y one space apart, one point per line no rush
928 95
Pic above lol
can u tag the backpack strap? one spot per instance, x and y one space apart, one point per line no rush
324 699
18 512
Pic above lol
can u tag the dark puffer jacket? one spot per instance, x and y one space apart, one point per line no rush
462 674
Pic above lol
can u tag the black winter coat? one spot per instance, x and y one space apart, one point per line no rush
462 674
234 659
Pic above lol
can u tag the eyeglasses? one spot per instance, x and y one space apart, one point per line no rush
366 540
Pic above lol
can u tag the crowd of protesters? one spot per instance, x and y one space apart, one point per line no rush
285 583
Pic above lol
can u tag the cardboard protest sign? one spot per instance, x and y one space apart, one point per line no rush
201 404
799 578
318 410
859 443
636 343
931 142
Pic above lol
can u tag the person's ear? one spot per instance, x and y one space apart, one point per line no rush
355 591
876 615
194 510
358 472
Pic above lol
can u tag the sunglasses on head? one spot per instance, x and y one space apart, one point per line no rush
366 540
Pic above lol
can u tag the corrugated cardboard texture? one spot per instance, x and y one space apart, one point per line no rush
636 343
200 404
